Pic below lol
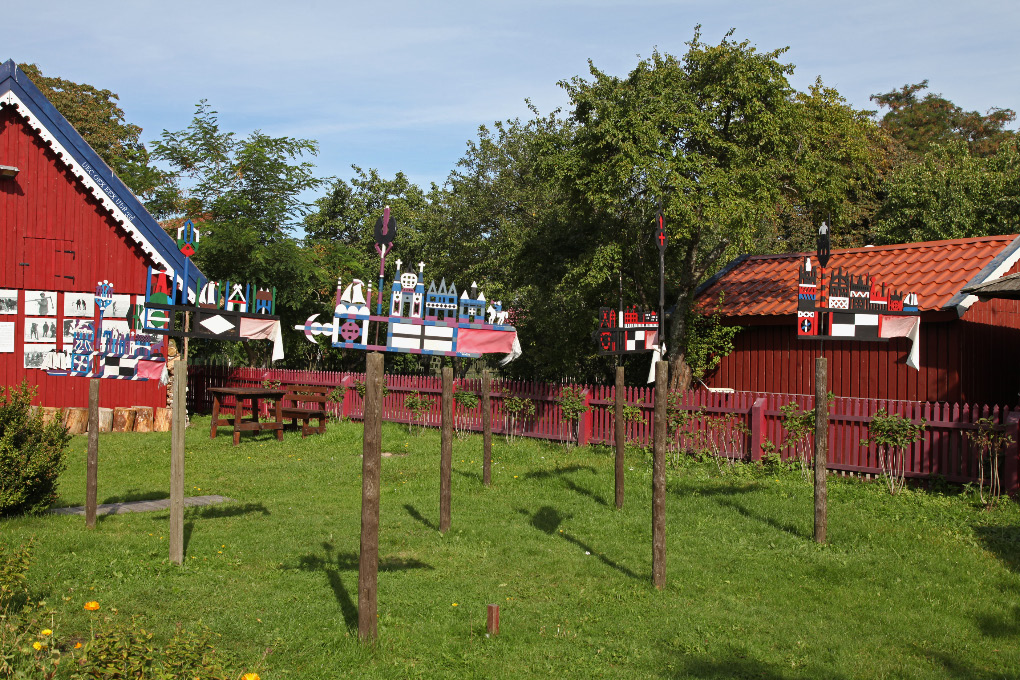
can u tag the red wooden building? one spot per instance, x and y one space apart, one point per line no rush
66 223
967 347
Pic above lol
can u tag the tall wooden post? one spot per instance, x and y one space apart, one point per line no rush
621 435
821 448
446 453
180 414
486 429
659 478
92 458
371 457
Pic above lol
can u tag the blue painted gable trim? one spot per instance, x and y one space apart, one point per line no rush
13 79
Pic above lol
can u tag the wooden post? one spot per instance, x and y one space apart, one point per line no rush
486 429
492 620
757 427
621 435
371 457
821 447
1010 476
446 451
659 478
177 461
92 458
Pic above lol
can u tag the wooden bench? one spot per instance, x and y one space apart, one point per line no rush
304 402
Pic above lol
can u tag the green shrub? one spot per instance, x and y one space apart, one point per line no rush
31 454
573 406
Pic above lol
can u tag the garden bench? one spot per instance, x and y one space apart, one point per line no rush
304 402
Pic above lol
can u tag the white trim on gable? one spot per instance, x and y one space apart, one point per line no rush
999 271
121 215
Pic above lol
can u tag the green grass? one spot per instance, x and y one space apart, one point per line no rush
922 585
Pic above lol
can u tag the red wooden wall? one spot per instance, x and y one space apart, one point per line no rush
45 212
972 359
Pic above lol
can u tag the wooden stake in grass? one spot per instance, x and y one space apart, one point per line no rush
177 460
446 450
92 459
821 448
371 457
621 436
486 429
659 478
492 620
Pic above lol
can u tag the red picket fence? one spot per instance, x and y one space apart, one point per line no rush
736 425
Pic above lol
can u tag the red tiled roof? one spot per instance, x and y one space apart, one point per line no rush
936 270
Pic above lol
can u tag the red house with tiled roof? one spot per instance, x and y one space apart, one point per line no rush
966 345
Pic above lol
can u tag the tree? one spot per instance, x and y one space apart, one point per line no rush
918 123
952 193
710 135
98 118
247 195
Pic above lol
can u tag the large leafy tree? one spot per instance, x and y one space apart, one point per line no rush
710 135
98 118
248 196
919 122
952 193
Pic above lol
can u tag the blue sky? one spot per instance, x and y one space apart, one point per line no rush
402 86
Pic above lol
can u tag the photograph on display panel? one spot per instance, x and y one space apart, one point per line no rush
119 307
40 302
8 302
35 355
79 304
40 329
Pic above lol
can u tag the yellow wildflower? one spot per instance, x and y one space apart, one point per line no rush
37 646
92 606
251 676
45 631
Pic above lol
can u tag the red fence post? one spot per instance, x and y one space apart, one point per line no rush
584 423
347 405
757 427
1011 481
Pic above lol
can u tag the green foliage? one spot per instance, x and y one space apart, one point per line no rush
921 123
98 118
418 406
247 196
516 410
573 404
892 435
360 387
952 193
31 454
798 426
464 402
991 443
707 340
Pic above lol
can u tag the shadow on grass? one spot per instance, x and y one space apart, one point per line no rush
775 524
548 519
470 475
136 495
954 668
333 563
1004 541
210 512
734 664
559 473
413 512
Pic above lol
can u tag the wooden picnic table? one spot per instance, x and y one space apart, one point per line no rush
253 395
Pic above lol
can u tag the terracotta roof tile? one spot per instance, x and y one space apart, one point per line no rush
935 270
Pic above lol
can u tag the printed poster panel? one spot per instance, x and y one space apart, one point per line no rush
69 326
40 330
35 355
8 302
79 304
119 307
40 302
7 336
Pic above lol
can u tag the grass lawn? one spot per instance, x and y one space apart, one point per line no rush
922 585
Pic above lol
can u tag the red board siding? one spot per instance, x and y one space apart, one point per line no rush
44 213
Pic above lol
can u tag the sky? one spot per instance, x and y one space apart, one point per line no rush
403 86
